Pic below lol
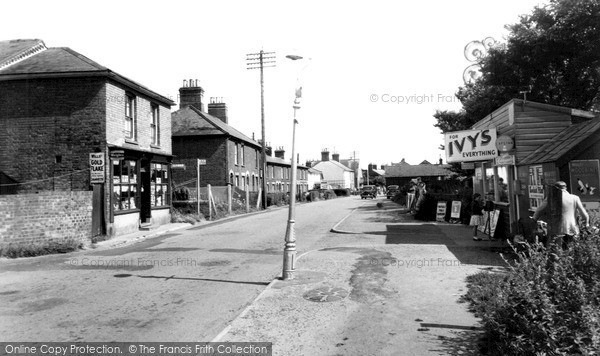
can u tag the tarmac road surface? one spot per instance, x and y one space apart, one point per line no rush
186 285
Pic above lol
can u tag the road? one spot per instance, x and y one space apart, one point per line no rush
182 286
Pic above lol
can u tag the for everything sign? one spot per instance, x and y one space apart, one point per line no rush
471 145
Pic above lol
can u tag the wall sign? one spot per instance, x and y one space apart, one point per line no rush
472 145
585 179
97 173
455 213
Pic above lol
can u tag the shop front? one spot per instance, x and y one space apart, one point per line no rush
140 187
519 149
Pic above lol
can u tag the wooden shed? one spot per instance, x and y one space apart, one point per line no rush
531 130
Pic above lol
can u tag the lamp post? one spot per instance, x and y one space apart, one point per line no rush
289 251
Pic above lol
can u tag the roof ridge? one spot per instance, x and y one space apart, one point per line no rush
24 54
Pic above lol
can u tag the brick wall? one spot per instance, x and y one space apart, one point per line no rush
49 127
47 217
249 167
189 148
116 95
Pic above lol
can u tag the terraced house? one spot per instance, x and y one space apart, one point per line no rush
69 125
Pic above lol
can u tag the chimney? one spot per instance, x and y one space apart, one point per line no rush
190 94
308 164
335 157
268 150
441 161
325 155
382 167
280 153
218 108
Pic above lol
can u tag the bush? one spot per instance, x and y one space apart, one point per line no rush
548 303
342 192
328 194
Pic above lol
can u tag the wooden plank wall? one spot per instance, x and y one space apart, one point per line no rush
535 126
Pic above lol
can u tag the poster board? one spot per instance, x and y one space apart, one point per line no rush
490 217
441 211
585 179
455 212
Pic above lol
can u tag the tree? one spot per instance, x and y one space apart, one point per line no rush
554 53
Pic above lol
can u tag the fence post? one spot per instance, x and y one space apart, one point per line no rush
247 201
229 199
210 202
259 198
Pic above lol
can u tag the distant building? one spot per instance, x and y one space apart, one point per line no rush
401 173
334 173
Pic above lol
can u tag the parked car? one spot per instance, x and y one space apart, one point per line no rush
392 190
368 191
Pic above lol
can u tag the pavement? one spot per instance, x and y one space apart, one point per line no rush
381 284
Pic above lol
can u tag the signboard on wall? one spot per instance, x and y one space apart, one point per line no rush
97 173
585 179
471 145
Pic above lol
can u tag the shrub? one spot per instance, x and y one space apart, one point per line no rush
547 303
14 250
342 192
329 194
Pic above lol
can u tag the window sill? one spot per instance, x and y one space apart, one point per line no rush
155 146
123 212
130 141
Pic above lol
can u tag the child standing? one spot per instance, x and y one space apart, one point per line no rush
476 214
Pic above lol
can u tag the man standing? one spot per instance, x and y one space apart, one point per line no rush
561 207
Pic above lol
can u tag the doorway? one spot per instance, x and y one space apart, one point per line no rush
145 207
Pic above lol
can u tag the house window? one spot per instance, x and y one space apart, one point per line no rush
130 117
235 155
242 155
125 194
256 158
159 184
154 126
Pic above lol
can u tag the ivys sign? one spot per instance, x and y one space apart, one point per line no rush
471 145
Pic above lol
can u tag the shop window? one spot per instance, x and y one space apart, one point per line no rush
159 184
125 193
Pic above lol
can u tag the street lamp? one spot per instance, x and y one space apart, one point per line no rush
289 251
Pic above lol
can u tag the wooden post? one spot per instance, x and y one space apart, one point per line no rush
247 201
258 200
210 202
229 199
198 185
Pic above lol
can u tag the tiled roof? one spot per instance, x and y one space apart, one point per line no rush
58 62
562 143
419 170
54 60
16 50
190 121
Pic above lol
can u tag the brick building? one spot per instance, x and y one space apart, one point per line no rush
231 157
57 107
279 174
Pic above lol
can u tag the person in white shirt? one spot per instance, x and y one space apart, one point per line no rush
561 208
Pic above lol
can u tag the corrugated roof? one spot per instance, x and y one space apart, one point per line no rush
562 143
419 170
190 121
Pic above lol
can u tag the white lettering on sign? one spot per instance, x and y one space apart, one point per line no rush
97 168
472 145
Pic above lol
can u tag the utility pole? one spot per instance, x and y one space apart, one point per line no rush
259 61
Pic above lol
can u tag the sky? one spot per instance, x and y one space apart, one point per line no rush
373 73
